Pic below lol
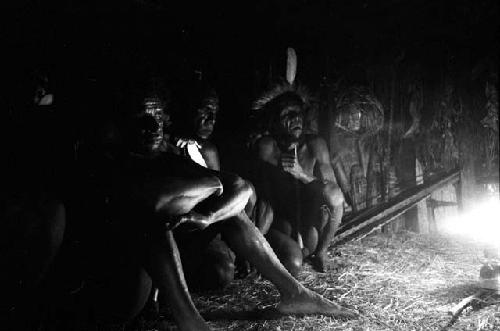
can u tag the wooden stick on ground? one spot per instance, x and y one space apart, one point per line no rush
457 309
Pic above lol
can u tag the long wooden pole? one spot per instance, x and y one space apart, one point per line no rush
368 220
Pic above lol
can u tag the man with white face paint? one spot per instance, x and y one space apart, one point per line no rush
307 202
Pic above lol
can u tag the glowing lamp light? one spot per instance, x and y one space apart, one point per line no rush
481 223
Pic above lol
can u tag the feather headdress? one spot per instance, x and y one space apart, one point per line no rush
291 65
265 107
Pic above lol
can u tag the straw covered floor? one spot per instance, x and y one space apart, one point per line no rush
401 281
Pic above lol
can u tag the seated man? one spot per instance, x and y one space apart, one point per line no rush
152 193
201 119
297 176
196 145
208 262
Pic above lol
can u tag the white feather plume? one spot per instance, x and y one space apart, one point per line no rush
291 65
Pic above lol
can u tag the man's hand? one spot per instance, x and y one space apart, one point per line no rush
291 165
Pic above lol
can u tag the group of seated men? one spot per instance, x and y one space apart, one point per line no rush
176 219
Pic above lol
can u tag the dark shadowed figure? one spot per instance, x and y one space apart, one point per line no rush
32 212
355 148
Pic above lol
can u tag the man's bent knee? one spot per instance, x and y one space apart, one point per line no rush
333 194
293 263
224 273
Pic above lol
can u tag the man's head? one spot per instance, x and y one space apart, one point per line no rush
206 115
359 112
353 118
148 124
289 112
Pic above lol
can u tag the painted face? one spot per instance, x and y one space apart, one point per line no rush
151 123
350 119
205 120
354 121
291 120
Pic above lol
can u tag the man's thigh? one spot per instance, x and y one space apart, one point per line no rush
312 203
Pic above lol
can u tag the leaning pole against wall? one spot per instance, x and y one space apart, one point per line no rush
368 220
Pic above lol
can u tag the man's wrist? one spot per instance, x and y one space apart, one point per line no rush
210 218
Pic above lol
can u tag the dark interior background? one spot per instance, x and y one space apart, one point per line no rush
93 48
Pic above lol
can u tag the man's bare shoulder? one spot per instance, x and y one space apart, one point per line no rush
266 142
267 149
209 146
315 141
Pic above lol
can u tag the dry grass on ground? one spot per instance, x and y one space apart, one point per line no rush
402 282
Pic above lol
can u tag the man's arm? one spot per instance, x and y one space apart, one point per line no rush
210 155
267 150
320 152
233 200
342 179
215 195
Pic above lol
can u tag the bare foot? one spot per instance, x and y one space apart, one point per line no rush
310 303
318 262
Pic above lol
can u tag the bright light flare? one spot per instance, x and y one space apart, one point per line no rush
481 223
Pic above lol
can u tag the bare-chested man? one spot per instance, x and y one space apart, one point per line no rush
153 192
208 262
300 184
204 117
196 144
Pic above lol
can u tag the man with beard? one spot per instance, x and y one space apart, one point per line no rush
297 177
153 192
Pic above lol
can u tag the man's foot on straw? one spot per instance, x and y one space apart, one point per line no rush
318 262
310 303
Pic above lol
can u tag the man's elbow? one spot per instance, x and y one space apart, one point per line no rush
237 186
213 182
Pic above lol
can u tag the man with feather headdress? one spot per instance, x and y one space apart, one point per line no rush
296 176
